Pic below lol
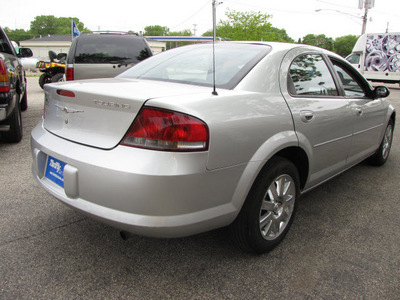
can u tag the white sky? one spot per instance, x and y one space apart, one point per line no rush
297 17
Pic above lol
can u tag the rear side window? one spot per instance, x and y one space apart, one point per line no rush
4 45
111 49
310 76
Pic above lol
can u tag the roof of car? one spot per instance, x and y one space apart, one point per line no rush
94 36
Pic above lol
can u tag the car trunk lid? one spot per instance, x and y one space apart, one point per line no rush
99 112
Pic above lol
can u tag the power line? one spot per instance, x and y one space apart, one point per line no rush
267 8
335 4
191 16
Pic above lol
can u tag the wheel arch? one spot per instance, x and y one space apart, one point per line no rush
294 154
393 118
18 86
299 158
246 230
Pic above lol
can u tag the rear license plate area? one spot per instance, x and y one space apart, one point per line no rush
55 170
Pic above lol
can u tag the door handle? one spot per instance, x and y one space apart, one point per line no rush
306 116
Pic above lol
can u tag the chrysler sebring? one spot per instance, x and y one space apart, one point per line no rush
193 139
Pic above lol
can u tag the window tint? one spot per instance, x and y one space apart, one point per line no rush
111 49
4 46
311 76
351 87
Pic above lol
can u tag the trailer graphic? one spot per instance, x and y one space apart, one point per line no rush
377 56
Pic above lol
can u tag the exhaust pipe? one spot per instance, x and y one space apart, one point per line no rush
125 235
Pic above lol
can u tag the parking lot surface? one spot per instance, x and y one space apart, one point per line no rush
344 242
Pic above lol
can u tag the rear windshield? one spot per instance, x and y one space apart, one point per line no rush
111 49
194 64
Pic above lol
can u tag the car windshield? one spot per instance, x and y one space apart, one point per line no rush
194 64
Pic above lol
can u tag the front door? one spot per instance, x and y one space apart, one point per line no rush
368 113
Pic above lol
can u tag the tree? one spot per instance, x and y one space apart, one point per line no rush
156 30
249 26
44 25
320 40
186 32
344 45
18 34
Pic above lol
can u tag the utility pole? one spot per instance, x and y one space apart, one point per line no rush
367 4
365 17
194 29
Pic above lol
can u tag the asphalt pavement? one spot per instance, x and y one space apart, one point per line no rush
344 242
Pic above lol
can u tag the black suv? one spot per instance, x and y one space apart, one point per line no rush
106 54
13 95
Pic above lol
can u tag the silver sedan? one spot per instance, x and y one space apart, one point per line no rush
194 139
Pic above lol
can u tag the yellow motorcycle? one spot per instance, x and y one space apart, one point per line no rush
53 70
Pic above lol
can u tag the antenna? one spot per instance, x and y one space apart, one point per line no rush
214 9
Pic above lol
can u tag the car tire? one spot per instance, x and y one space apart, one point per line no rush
381 155
43 79
58 77
269 209
14 135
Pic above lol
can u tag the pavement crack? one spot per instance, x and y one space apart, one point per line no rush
42 232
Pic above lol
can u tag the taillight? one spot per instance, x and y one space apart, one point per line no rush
65 93
4 80
161 129
69 74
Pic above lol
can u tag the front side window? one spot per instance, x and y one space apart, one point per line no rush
350 85
310 76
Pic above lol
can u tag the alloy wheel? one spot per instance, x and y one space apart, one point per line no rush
277 207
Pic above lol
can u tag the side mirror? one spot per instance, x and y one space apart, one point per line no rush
380 92
61 56
25 52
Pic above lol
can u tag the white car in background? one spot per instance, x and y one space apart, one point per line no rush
28 63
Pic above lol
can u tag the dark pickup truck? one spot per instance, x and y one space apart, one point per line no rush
13 95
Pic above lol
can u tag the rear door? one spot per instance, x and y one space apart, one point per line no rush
322 118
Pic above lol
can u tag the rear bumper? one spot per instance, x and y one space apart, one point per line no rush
152 193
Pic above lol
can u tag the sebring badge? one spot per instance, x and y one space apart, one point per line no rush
68 110
112 104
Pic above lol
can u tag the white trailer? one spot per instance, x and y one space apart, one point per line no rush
377 56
